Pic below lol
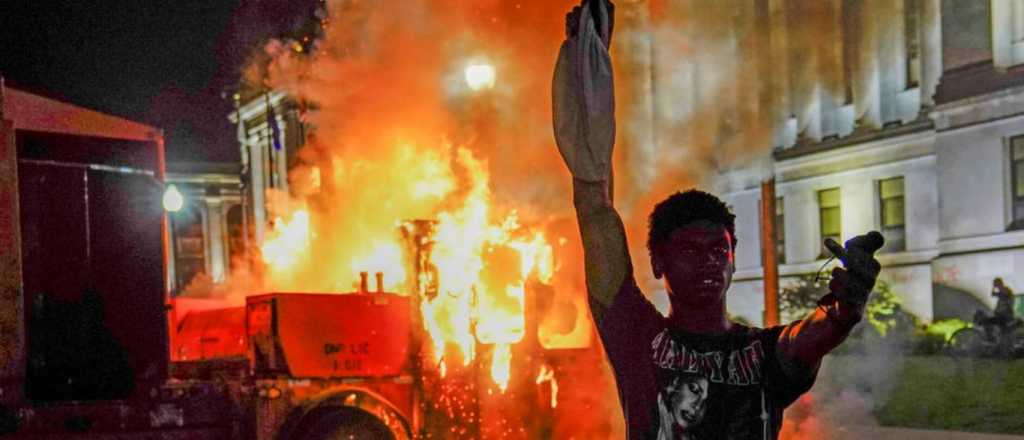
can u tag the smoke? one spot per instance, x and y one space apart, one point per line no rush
849 389
702 87
705 87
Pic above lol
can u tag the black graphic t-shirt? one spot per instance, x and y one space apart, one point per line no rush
678 385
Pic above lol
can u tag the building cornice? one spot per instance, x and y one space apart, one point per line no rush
979 109
981 243
909 146
858 138
250 110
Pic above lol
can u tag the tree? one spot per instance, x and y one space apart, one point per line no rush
801 296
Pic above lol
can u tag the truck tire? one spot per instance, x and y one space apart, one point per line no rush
348 424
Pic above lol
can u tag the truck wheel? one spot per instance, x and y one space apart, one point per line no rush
348 424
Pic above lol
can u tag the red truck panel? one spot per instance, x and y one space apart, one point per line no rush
36 113
210 334
331 335
205 329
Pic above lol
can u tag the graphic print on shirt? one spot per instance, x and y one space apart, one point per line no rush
687 379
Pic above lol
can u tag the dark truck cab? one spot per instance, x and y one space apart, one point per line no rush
83 325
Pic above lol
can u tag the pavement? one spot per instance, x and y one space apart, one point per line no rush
882 433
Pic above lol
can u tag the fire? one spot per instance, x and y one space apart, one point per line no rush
483 260
288 242
482 269
404 137
547 374
500 371
385 257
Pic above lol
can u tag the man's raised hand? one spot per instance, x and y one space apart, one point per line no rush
602 12
583 93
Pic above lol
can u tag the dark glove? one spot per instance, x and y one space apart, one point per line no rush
853 283
601 11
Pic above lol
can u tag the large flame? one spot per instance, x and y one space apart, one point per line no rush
425 112
288 242
482 269
483 260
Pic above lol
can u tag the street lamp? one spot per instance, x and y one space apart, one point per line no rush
480 76
173 199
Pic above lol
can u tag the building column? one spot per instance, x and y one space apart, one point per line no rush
892 56
931 49
863 36
215 238
257 184
784 122
281 155
1007 32
633 51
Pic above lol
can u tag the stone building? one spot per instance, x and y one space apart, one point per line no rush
225 210
207 231
928 148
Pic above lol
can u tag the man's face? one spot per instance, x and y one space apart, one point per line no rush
696 263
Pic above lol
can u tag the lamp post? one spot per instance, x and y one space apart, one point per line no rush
173 201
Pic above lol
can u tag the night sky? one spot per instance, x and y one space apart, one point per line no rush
165 63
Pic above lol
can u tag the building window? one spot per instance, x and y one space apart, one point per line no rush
830 218
892 212
1017 181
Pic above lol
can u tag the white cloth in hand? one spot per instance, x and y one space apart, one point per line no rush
583 96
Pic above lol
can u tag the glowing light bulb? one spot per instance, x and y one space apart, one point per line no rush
173 199
480 76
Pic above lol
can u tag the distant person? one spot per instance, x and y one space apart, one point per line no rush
1004 301
694 374
1002 319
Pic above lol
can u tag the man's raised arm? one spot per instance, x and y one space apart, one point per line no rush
583 96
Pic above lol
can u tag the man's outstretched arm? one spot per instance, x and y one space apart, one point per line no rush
584 125
804 343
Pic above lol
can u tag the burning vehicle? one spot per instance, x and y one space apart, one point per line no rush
110 353
388 291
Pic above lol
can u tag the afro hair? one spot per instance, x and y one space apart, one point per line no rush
686 207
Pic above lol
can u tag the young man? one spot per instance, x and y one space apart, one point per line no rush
694 374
